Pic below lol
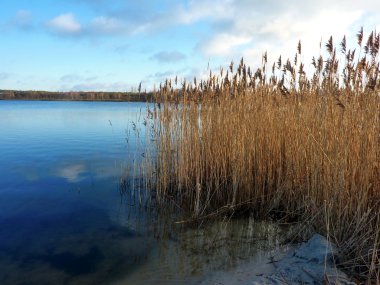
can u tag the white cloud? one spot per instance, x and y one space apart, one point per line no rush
280 36
65 24
198 10
250 27
107 25
222 44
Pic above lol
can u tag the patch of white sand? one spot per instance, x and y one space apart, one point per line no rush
309 263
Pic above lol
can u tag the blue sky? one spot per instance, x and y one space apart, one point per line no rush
113 45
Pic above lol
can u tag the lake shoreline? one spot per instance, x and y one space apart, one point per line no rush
311 262
87 96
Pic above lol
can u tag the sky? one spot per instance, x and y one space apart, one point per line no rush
113 45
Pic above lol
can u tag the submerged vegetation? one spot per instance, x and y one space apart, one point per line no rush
277 143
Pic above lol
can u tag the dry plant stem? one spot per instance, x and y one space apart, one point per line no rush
287 143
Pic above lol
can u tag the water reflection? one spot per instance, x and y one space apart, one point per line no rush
73 173
68 248
61 221
64 219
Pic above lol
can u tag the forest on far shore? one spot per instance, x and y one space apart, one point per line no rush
76 96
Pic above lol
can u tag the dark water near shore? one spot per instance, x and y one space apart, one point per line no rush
63 219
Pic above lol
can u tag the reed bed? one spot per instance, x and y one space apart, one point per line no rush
278 143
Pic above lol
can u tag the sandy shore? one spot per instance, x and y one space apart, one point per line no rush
309 263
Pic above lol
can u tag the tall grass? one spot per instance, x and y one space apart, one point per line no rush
280 144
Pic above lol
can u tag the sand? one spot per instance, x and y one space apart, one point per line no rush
308 263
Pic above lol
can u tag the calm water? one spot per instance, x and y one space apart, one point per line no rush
64 221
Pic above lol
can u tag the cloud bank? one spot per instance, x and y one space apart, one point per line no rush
185 34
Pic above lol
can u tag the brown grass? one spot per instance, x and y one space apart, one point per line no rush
282 145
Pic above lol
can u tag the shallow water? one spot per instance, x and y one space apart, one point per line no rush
63 219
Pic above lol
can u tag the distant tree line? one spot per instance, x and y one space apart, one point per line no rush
76 96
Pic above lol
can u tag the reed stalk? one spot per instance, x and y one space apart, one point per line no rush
280 144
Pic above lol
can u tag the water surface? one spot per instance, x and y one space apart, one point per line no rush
63 219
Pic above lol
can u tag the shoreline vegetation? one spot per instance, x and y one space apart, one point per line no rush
276 143
76 96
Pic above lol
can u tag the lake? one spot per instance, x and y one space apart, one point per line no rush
65 220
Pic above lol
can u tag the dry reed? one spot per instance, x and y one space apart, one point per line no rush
280 144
